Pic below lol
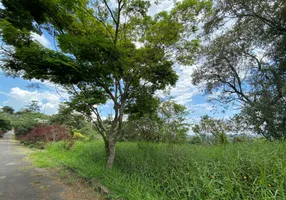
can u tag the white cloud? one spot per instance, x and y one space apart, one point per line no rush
42 40
164 5
184 91
202 106
52 87
49 101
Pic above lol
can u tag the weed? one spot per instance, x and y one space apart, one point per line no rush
161 171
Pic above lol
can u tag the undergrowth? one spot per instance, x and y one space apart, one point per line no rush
160 171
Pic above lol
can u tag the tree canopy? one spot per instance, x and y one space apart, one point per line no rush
33 106
166 124
8 109
244 61
105 51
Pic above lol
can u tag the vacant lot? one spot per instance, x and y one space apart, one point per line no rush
254 170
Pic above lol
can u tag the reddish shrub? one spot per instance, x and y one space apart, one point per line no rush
1 133
46 133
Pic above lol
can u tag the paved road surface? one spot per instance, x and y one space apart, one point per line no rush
19 180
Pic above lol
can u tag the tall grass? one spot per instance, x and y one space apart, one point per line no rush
160 171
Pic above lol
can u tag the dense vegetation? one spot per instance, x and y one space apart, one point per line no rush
119 52
159 171
98 58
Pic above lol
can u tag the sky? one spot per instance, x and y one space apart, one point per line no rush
15 92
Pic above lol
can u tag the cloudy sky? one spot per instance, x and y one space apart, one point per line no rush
15 92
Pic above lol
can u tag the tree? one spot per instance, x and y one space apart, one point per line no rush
8 109
216 127
67 116
173 126
33 107
97 58
164 124
5 123
244 61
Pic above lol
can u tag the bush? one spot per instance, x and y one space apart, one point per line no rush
90 133
47 133
79 136
1 133
24 122
5 124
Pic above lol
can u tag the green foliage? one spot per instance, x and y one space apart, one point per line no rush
66 116
7 109
33 107
241 138
216 127
78 135
158 171
195 140
25 121
222 138
5 123
97 58
164 123
244 63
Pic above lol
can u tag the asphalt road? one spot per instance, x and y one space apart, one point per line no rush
19 180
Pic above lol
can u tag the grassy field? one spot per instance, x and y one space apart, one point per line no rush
158 171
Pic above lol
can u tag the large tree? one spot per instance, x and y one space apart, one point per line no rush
105 51
244 61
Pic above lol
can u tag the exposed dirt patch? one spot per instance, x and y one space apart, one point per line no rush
76 188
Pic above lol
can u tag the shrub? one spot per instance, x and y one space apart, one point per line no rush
78 135
5 124
46 133
23 129
1 133
24 122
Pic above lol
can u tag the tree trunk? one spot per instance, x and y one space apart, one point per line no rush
106 146
110 154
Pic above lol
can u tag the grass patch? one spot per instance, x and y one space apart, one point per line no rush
42 160
159 171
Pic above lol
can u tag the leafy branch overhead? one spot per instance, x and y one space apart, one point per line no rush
244 61
105 50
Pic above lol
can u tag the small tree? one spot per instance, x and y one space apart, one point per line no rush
166 123
67 116
33 107
216 127
8 109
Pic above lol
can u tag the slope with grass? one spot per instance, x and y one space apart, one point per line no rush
158 171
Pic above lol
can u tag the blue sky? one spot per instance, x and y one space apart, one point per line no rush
15 93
